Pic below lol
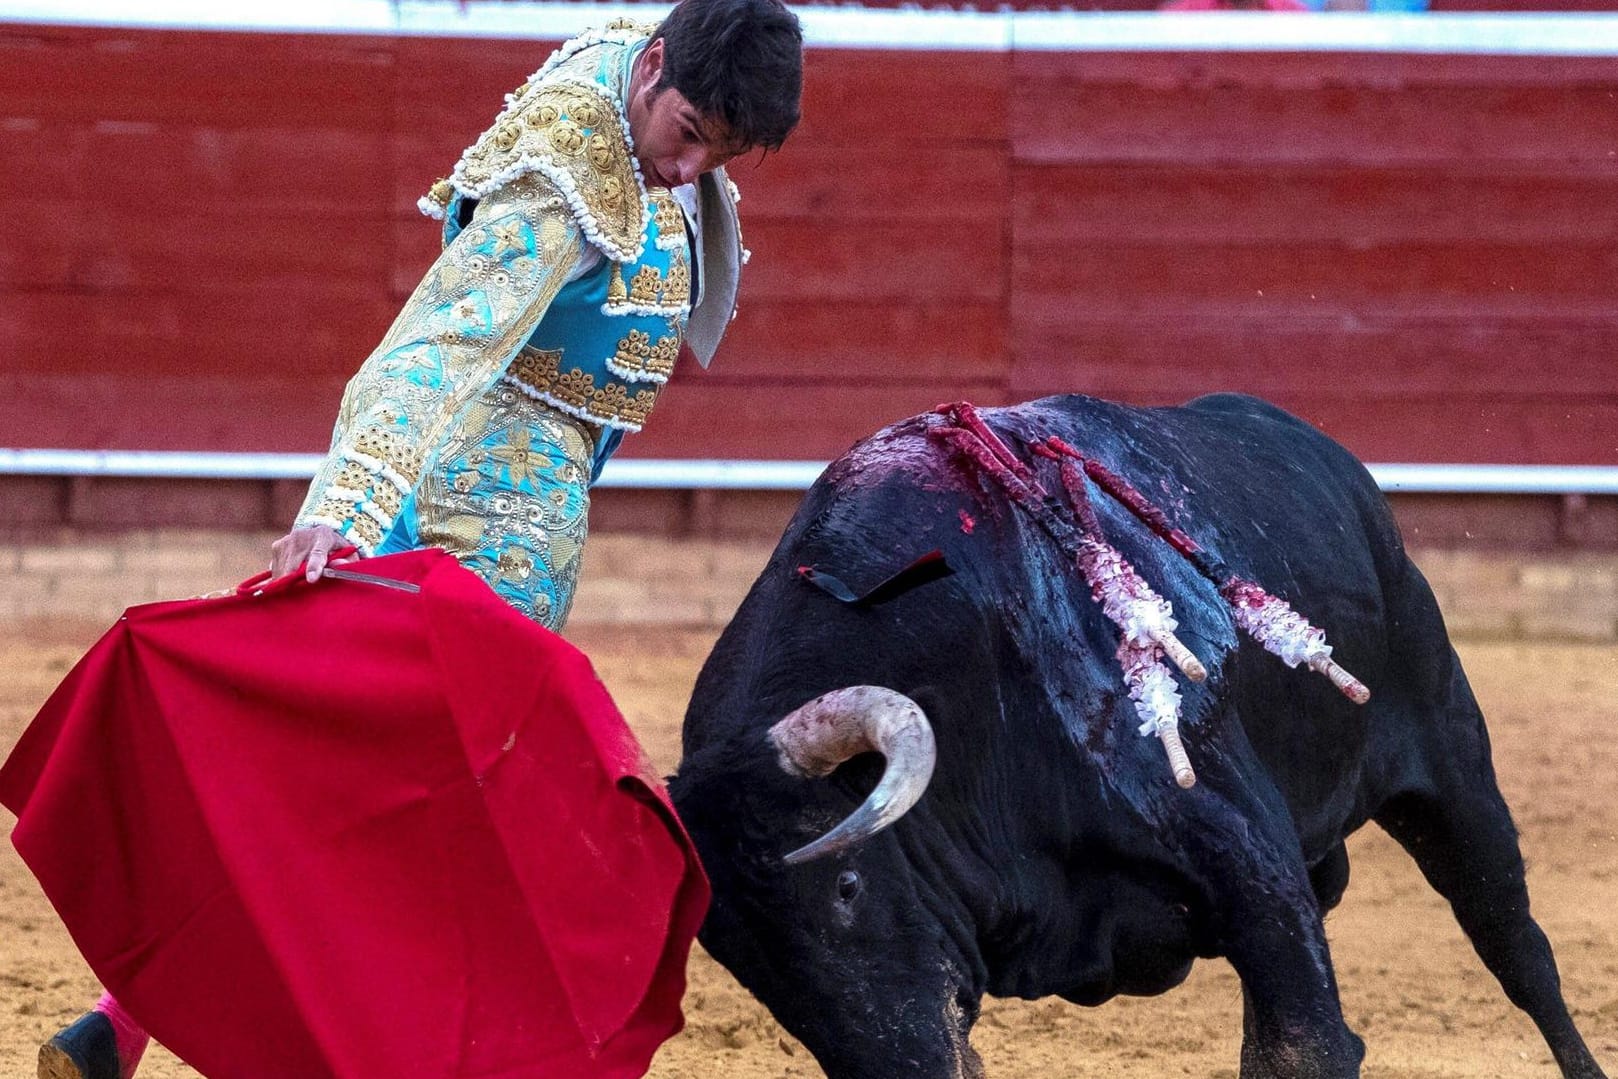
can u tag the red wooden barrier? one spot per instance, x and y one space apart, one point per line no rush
208 232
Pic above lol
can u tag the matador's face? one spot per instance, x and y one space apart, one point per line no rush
674 143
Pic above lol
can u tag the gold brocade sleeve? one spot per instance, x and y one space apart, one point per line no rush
455 336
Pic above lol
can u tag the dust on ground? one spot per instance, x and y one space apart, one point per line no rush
1410 983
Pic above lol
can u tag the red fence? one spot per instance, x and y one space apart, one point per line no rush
208 232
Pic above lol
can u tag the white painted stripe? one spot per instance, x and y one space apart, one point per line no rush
720 475
1497 479
1543 34
753 475
828 26
159 464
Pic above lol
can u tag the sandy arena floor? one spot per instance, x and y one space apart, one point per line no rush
1411 985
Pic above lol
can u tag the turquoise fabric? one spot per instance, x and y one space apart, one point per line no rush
509 494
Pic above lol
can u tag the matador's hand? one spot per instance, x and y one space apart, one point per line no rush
312 544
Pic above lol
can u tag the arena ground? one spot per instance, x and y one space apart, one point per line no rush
1410 984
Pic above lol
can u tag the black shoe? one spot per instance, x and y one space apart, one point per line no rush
85 1049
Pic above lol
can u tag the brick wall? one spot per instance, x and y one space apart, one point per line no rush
644 580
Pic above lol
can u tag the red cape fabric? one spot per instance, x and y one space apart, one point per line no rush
343 830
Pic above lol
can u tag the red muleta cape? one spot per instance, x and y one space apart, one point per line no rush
344 830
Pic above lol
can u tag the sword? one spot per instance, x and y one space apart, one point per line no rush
368 578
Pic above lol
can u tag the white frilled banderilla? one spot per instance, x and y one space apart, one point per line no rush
1144 619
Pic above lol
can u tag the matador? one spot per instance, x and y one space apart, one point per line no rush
590 239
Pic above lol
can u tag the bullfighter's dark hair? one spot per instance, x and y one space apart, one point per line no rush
739 62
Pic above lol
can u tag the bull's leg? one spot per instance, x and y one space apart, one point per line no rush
1459 831
1329 877
1269 925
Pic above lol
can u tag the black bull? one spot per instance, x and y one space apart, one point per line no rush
1052 853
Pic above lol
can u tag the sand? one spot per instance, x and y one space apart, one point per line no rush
1411 985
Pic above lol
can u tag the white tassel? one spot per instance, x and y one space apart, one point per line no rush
1157 703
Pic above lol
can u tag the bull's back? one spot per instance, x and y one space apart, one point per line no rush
1260 488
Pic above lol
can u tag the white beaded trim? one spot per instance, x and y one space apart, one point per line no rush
595 36
572 410
375 513
676 311
379 468
344 530
629 375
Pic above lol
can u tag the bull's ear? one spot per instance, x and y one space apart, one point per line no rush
929 567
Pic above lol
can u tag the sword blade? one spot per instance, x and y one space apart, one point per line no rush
369 578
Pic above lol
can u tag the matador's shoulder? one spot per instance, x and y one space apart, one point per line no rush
566 123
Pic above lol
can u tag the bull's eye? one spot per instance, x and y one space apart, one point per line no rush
848 885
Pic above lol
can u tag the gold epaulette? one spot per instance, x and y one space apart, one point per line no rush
638 27
572 132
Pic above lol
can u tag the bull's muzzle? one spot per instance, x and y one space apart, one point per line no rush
817 737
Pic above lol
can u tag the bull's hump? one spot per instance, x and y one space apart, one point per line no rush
904 451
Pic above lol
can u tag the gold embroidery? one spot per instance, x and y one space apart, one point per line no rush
565 137
575 387
634 347
600 151
515 563
588 114
576 130
645 286
516 453
507 237
539 371
353 476
506 135
677 290
666 212
390 448
616 292
535 367
441 192
337 509
463 531
388 500
612 196
637 358
367 531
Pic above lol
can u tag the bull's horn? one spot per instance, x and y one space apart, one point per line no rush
814 739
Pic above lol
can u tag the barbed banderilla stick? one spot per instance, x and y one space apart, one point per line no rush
1268 619
1145 620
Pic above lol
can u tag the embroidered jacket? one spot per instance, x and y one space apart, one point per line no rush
556 171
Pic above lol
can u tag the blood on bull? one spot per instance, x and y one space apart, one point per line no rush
914 763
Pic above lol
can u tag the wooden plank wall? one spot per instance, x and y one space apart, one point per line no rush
1416 253
207 232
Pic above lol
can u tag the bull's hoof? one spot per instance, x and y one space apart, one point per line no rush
85 1049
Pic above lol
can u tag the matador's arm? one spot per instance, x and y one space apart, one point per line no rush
457 334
